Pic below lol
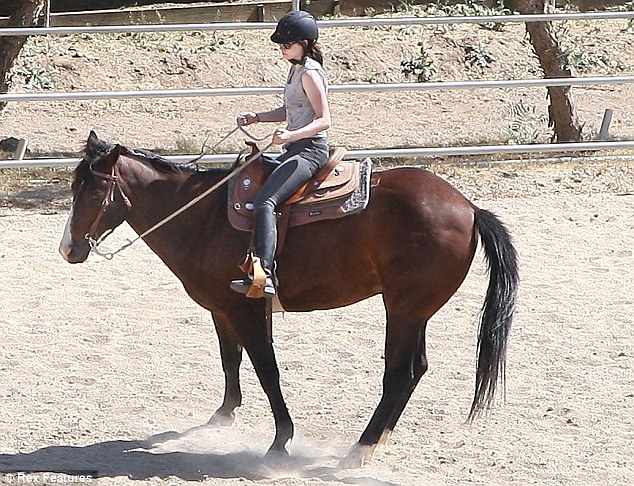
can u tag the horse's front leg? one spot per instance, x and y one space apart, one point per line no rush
250 325
263 359
231 356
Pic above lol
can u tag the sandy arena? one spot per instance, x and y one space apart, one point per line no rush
101 360
108 367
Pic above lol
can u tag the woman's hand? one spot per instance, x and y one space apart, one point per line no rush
282 136
247 118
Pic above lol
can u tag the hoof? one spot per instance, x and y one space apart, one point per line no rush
276 457
385 437
277 453
222 419
357 456
158 439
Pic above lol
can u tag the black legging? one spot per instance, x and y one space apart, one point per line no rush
301 161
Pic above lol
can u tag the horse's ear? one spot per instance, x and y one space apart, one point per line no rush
112 156
93 140
254 147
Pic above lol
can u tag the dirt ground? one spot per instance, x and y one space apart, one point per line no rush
101 360
99 357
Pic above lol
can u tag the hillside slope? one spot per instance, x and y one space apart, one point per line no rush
353 55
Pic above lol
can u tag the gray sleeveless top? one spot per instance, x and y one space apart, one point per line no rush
299 112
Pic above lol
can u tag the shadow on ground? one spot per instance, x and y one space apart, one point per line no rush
48 197
138 460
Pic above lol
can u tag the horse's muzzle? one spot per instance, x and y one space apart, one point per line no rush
74 253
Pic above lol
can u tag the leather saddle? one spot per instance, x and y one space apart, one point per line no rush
340 189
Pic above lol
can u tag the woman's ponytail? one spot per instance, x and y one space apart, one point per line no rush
313 50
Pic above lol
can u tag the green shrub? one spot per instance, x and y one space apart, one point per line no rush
422 66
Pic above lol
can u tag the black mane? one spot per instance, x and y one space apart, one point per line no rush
159 163
95 151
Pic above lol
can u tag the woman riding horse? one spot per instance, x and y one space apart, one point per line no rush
307 117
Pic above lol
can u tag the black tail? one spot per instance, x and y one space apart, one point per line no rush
497 312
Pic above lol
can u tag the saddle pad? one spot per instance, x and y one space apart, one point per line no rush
335 202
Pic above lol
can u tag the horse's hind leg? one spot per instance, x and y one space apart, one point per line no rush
405 364
420 368
231 356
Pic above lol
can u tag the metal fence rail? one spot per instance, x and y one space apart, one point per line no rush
378 153
355 22
346 88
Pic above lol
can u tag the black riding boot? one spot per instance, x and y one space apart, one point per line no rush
265 231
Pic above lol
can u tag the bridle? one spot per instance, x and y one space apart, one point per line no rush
113 178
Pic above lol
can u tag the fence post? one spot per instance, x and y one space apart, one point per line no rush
259 9
605 125
23 143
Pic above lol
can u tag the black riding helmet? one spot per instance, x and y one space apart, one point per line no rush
295 26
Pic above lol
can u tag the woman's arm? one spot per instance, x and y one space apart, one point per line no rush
276 115
250 117
316 94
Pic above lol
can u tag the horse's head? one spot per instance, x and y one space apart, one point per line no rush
99 203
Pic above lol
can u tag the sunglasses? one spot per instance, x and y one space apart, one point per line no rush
288 45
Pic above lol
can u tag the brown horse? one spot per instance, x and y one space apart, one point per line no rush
413 244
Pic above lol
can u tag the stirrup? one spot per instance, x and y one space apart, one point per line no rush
241 286
259 282
246 286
